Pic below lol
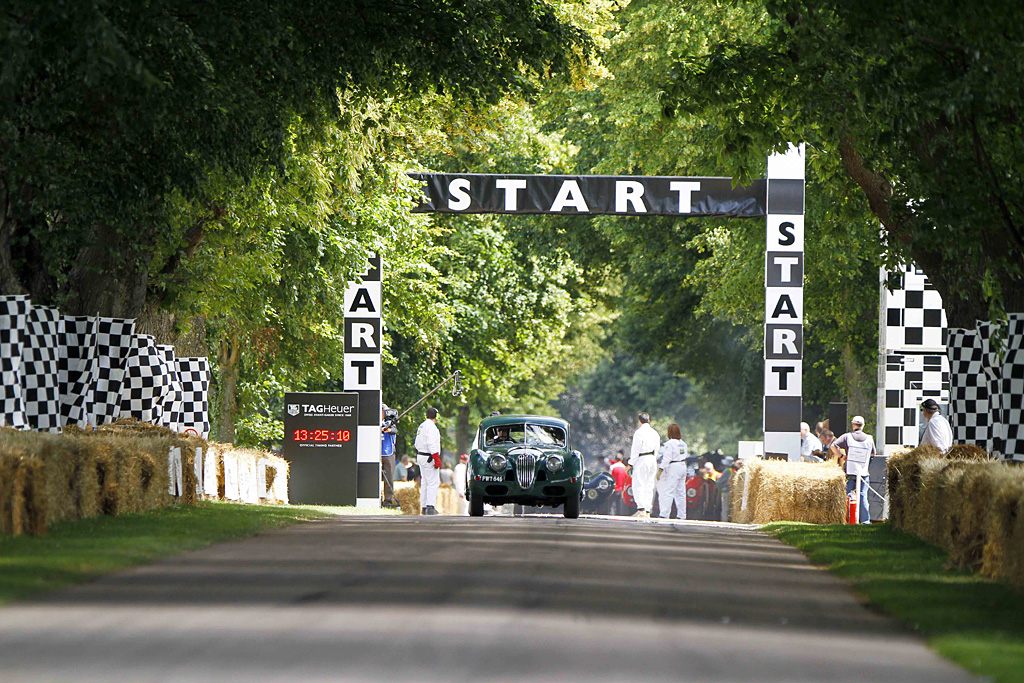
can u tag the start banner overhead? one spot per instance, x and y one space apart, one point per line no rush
623 195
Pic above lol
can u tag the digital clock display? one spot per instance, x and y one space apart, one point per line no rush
340 435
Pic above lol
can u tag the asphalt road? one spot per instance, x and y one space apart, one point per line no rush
453 599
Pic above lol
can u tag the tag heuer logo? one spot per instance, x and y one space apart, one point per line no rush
293 408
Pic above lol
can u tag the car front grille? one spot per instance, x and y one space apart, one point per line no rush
526 469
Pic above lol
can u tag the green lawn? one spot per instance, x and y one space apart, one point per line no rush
77 551
975 622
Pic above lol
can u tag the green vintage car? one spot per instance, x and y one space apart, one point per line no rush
524 459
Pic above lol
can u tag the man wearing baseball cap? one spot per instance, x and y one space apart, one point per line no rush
937 432
859 448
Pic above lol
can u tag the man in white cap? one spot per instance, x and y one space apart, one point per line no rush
937 432
428 457
808 444
644 462
860 448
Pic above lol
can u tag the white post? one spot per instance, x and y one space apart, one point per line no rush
784 304
364 307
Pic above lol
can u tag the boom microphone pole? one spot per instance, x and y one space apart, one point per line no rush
456 391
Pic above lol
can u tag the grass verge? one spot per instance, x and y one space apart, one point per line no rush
972 621
77 551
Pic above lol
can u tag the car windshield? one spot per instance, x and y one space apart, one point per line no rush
528 434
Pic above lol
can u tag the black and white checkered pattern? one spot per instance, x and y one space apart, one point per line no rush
170 416
76 337
992 365
969 412
13 321
915 319
146 381
194 378
1013 389
39 374
909 380
114 340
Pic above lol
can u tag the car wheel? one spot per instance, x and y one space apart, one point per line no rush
476 506
571 507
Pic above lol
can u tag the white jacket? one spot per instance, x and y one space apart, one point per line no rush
428 438
645 440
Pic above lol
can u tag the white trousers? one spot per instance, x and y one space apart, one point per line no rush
461 504
645 473
430 481
672 487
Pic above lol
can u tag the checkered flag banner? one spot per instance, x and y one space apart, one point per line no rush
993 368
170 414
13 321
76 339
1013 389
969 413
146 381
114 341
194 379
39 369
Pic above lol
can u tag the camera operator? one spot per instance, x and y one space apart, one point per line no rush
389 430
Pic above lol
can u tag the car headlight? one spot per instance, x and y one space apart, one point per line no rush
497 463
591 494
554 463
603 484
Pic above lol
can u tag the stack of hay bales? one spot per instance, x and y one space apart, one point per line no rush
775 491
124 467
965 502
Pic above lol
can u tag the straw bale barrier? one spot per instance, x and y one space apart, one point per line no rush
120 468
775 491
965 502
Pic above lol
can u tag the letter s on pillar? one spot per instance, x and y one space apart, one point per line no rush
458 194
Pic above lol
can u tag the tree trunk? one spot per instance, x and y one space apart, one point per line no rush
227 360
860 384
188 337
104 283
463 436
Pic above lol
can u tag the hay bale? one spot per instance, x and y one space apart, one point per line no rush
408 494
799 492
28 500
969 504
1003 553
447 500
8 466
904 476
964 451
744 503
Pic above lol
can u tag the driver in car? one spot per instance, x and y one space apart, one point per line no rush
502 437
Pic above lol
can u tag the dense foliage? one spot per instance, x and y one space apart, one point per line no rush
223 172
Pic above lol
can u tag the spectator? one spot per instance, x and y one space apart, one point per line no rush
808 444
708 471
618 472
860 448
937 432
402 469
414 469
